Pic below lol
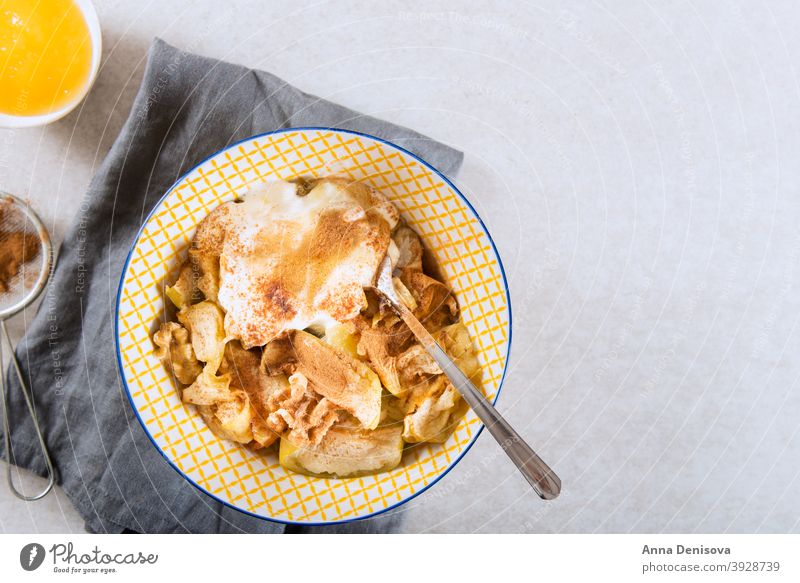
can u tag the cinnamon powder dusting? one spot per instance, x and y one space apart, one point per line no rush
16 247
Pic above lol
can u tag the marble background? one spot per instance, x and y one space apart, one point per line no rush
636 163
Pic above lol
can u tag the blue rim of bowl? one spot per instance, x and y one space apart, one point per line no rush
125 271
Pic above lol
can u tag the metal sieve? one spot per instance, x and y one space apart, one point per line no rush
20 223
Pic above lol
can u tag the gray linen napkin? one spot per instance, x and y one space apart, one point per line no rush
187 108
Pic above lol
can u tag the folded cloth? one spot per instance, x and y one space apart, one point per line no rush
187 108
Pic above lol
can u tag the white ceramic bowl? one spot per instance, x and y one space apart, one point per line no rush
28 121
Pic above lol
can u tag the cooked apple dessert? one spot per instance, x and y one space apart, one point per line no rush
278 337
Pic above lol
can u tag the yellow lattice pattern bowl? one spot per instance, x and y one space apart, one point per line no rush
252 482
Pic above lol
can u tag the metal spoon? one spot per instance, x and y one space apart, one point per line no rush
539 475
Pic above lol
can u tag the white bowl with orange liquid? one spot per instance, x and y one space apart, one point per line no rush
49 57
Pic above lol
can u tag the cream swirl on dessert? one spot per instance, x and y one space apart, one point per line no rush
290 260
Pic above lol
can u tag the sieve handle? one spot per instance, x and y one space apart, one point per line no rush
7 427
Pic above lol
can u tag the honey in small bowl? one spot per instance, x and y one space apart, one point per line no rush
45 56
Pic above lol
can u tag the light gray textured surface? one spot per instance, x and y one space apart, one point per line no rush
636 165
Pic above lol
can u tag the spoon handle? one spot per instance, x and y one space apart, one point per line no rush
539 475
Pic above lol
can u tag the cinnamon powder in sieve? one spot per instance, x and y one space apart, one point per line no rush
16 248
